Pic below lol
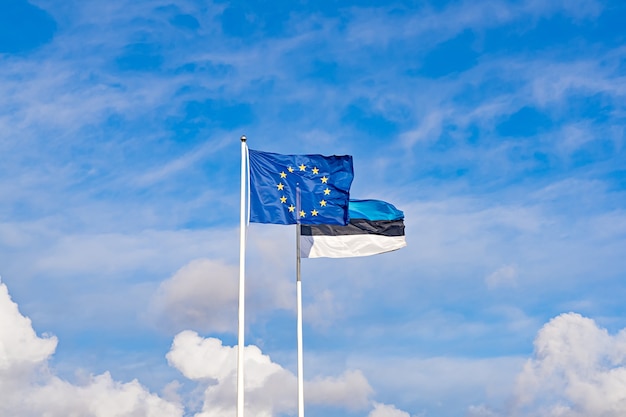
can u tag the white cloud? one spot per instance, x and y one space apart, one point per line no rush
270 389
385 410
30 389
101 396
19 345
578 369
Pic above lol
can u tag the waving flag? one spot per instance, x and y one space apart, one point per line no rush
305 189
375 227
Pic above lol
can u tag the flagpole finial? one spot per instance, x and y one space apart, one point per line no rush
243 138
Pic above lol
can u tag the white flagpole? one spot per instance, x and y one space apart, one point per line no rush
242 279
299 303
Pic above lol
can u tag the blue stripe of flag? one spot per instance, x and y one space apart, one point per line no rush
373 210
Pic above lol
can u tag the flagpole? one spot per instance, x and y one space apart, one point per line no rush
242 280
299 303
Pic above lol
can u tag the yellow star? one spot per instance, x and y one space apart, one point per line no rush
280 186
327 191
323 203
316 170
314 212
302 214
302 167
283 175
291 208
324 179
290 169
283 199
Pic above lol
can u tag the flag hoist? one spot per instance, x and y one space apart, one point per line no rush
312 192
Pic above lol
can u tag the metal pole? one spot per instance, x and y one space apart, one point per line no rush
242 279
299 302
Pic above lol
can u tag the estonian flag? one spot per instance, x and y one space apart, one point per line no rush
375 227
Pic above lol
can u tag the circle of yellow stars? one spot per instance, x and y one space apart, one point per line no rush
302 168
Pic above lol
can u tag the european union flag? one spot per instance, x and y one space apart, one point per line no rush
306 189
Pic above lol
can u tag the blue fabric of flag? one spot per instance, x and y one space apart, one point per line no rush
321 182
374 210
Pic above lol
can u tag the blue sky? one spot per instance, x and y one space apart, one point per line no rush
497 126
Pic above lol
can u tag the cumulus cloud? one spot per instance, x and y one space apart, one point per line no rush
30 389
578 369
270 389
101 396
20 348
385 410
